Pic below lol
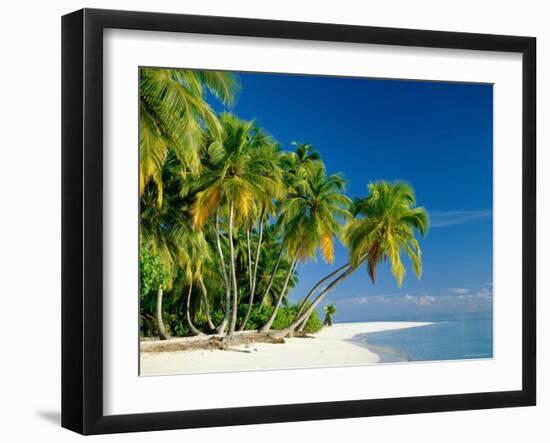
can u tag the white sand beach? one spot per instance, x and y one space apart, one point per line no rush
332 346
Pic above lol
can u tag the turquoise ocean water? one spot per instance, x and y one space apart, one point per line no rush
465 337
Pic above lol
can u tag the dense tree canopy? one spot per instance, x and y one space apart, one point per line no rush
227 213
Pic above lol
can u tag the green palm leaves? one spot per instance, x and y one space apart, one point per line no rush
313 211
242 169
384 225
330 310
174 116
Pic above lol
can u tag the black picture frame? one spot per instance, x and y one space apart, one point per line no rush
82 218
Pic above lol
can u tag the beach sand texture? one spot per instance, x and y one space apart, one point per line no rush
332 346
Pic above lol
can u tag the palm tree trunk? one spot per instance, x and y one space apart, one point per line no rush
223 325
309 311
272 278
312 291
292 327
192 327
267 326
302 325
204 293
258 249
254 275
319 283
249 252
160 323
233 273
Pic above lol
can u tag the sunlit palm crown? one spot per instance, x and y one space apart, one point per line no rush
313 212
385 223
174 116
242 169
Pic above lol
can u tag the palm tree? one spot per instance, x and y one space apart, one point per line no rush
194 330
173 116
383 226
330 310
155 225
173 113
304 154
295 171
194 257
269 154
312 215
237 179
165 229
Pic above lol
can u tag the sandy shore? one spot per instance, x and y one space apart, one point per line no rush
332 346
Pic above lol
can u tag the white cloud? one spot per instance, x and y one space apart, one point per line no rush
484 293
365 299
426 300
440 219
419 301
459 291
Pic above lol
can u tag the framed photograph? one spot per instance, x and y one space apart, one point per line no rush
269 221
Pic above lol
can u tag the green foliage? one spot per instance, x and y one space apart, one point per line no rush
330 310
152 274
314 211
285 316
384 225
313 323
173 117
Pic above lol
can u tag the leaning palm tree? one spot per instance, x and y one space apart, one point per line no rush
173 117
383 226
236 180
330 310
312 215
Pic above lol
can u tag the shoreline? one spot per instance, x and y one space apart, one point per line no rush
336 345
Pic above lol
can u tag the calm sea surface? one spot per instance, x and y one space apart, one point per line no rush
469 337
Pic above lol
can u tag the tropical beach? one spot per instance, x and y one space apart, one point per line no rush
332 346
277 231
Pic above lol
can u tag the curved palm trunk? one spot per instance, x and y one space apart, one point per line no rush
223 325
305 316
204 293
302 325
291 269
272 278
311 292
254 274
192 327
319 283
233 273
249 253
160 323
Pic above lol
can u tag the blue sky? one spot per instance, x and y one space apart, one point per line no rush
435 135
